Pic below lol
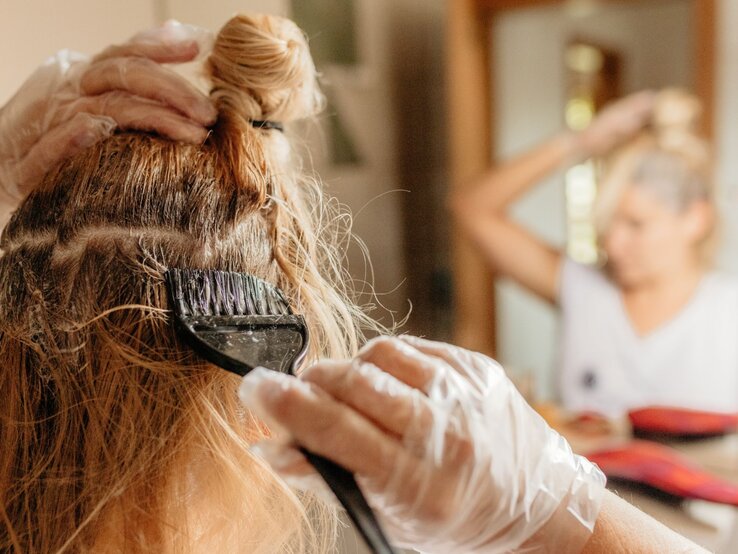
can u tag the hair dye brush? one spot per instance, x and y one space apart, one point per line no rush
238 321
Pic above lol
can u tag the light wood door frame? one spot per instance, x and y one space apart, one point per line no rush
469 75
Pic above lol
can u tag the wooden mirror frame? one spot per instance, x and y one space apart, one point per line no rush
470 116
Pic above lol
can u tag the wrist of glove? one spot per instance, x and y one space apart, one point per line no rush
448 453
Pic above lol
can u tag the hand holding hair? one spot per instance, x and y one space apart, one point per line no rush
449 454
71 102
615 124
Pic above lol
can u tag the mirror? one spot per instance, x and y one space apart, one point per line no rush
547 58
651 45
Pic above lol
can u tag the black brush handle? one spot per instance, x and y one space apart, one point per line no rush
344 486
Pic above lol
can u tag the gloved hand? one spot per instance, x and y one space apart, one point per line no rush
72 101
449 454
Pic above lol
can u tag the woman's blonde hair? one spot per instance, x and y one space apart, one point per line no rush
669 159
115 437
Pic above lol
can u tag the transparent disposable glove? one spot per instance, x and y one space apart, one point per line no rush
73 101
449 454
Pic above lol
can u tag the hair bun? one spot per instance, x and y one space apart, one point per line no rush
261 68
676 108
675 120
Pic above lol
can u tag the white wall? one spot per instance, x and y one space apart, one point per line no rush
213 14
655 42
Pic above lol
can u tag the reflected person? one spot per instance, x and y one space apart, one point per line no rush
655 324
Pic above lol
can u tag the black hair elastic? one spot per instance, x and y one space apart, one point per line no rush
264 124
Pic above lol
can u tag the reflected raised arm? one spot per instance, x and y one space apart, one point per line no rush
482 209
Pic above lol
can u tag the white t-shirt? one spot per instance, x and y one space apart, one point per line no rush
690 362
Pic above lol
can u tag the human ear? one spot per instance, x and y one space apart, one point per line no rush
698 220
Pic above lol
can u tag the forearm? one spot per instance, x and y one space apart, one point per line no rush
623 529
509 247
500 186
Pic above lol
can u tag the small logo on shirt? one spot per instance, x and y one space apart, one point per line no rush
589 379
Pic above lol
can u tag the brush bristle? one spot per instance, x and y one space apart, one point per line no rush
205 292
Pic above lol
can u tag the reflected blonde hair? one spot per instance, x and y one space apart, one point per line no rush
115 437
669 159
